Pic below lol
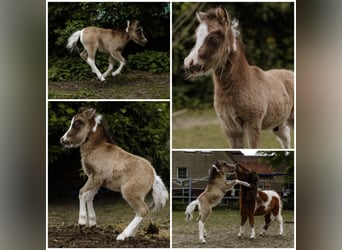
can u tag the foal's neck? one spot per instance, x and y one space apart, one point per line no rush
234 70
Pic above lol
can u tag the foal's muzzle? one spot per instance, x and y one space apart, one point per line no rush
64 141
194 69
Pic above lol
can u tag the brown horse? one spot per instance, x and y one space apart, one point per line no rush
254 201
212 195
108 41
247 99
108 165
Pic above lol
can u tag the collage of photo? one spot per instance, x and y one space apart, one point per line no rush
171 125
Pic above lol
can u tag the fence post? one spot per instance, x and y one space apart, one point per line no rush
190 190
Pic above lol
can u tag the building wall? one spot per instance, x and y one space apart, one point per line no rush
198 163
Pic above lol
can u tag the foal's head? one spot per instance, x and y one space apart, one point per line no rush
220 169
82 124
216 39
135 31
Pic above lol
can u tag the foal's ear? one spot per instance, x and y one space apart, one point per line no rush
222 14
89 113
200 16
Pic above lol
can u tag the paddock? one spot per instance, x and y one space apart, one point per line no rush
223 227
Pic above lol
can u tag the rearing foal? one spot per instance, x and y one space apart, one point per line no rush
212 195
247 99
108 41
108 165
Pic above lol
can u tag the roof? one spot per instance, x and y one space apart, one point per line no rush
255 163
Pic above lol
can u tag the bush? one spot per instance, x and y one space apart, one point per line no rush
151 61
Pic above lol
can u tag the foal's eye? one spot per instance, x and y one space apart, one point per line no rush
77 124
213 39
138 31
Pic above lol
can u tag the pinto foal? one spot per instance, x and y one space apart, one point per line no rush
254 201
212 195
108 41
246 98
108 165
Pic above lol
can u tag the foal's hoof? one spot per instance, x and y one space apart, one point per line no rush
202 241
121 237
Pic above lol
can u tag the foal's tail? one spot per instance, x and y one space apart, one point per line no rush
72 40
159 193
189 210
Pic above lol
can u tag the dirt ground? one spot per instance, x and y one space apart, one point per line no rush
222 229
130 85
113 215
73 236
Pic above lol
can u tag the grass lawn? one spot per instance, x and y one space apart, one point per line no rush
201 129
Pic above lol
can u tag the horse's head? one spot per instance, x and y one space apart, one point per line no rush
216 38
221 168
244 174
135 31
82 124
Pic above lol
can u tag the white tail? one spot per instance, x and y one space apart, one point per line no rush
159 193
72 40
189 209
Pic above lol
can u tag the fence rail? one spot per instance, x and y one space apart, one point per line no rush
186 190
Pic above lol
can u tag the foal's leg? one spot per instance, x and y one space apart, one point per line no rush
86 197
205 212
283 134
235 137
141 210
251 223
91 61
84 55
110 66
253 131
243 221
267 224
117 55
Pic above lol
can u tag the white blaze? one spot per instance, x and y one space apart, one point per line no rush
201 34
64 137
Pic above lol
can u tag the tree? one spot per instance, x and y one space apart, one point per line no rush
276 158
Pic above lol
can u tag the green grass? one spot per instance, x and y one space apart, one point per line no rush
201 129
222 228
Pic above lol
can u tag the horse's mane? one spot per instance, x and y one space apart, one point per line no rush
102 125
106 132
213 175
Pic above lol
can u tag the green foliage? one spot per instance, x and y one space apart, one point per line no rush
151 61
142 128
277 158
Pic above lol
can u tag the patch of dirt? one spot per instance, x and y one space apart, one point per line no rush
131 85
74 236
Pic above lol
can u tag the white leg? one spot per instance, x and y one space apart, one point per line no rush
283 134
279 217
82 218
91 211
91 62
201 230
116 72
243 183
253 233
240 232
110 67
130 230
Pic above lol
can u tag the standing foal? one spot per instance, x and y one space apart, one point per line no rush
108 165
108 41
247 99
